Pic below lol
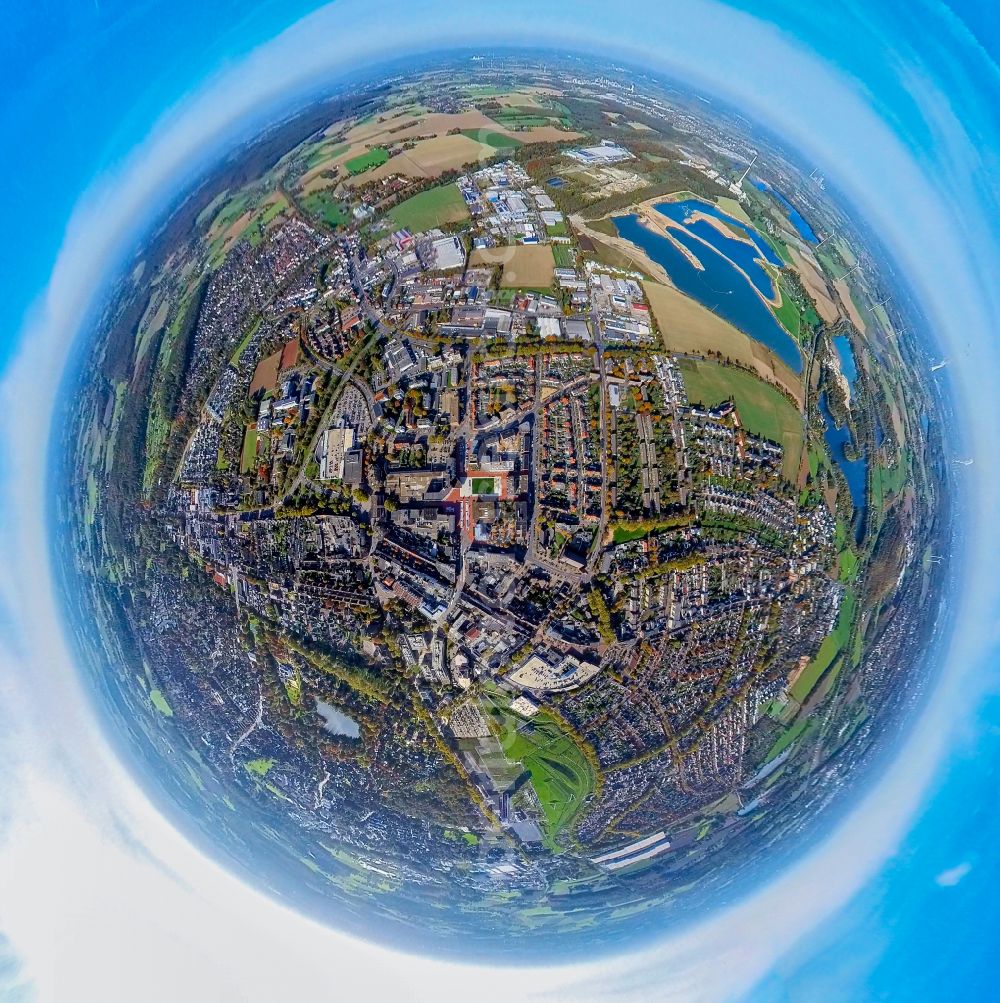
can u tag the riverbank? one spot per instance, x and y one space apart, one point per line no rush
642 261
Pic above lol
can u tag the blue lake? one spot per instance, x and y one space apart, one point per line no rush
855 471
721 287
847 364
805 231
680 211
747 256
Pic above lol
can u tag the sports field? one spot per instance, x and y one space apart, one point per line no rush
434 207
248 456
763 409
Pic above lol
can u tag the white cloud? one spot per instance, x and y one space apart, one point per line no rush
953 875
93 918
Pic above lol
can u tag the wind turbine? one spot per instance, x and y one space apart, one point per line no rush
739 184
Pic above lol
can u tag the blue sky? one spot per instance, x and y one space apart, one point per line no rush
107 107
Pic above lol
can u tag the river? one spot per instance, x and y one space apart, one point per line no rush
804 230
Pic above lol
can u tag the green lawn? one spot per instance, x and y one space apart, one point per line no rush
560 773
159 701
483 485
434 207
497 140
788 314
559 229
259 767
789 736
763 409
249 455
366 161
323 205
624 535
828 650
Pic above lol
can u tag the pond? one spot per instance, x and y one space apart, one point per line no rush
336 721
847 364
855 471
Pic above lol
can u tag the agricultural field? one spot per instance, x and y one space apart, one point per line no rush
565 257
243 216
366 161
526 266
763 409
688 328
498 140
434 207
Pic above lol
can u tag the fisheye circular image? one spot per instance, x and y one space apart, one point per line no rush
502 506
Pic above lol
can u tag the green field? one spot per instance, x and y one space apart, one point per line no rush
565 257
483 485
788 314
763 409
521 118
559 229
323 205
848 565
560 772
828 650
259 767
325 151
888 482
831 262
498 140
434 207
234 359
249 455
623 534
159 701
789 736
366 161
